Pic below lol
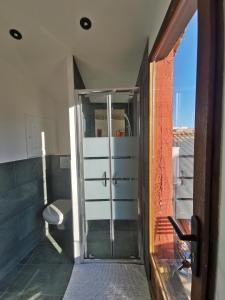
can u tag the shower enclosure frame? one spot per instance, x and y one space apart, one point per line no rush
80 171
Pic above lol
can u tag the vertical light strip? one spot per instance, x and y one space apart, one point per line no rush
152 117
74 180
109 110
140 216
81 127
43 153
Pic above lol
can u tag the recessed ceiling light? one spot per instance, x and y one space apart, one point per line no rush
85 23
15 34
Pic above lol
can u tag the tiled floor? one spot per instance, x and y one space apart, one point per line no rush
108 281
44 274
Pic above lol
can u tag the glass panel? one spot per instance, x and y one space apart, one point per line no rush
98 239
124 146
124 114
183 209
111 227
96 166
98 210
96 189
95 147
124 189
125 210
184 189
94 115
126 239
124 167
172 161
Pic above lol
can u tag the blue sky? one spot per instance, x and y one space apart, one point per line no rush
185 64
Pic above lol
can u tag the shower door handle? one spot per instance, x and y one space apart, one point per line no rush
105 179
115 179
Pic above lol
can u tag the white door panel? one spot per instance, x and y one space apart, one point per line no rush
96 190
96 168
124 168
125 210
96 147
124 146
98 210
125 189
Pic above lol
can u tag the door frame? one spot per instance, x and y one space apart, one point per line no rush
207 129
79 158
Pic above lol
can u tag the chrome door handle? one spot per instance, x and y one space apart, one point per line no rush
105 179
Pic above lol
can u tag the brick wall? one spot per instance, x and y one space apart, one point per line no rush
162 162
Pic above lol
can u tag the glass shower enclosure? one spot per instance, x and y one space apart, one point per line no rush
108 135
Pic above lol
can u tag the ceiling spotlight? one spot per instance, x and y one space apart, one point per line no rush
85 23
15 34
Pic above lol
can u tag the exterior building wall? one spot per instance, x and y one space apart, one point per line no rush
162 187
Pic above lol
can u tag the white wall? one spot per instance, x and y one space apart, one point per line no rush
56 85
20 97
159 10
63 134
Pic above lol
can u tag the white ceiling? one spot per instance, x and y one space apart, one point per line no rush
108 55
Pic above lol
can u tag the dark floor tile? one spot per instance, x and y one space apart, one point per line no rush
21 281
15 296
44 274
10 277
47 254
39 280
47 283
50 269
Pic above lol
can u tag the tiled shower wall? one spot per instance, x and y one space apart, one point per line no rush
58 178
21 204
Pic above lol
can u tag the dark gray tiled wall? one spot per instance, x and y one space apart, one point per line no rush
58 179
21 204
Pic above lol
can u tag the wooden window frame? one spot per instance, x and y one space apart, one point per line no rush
208 125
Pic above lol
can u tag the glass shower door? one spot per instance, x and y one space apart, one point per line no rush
110 175
124 174
96 175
